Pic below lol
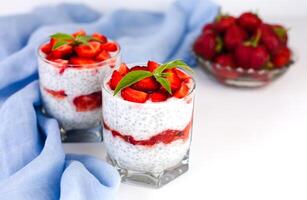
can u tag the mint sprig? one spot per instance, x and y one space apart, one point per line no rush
159 74
64 38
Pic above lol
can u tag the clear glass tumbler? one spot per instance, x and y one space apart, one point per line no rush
147 142
72 95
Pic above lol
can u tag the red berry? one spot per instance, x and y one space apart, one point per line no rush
173 79
61 52
268 38
109 46
152 65
123 69
281 33
115 79
225 60
146 84
242 56
234 36
224 22
208 28
282 57
138 68
182 92
46 48
158 96
182 75
89 50
85 103
103 39
133 95
81 32
258 58
103 55
249 21
207 45
81 62
58 94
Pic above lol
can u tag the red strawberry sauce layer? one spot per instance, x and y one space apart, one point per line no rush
166 137
59 94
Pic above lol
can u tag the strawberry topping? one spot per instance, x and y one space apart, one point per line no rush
85 103
133 95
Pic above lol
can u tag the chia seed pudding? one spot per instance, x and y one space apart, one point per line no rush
70 84
149 137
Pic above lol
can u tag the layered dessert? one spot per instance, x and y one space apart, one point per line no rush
71 67
147 117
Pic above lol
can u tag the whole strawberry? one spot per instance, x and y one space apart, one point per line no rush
249 21
225 60
234 36
242 56
251 55
224 22
208 28
268 38
258 57
281 33
282 57
208 45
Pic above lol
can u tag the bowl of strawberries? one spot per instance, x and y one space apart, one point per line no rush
243 51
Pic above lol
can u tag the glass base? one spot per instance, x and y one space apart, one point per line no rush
152 180
82 135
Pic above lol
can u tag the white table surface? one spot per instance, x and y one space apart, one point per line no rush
247 144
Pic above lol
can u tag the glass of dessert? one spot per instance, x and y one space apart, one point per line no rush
147 121
71 68
243 51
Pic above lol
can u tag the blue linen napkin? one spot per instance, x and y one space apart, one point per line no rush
33 164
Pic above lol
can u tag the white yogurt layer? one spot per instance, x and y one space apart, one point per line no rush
152 159
142 121
75 82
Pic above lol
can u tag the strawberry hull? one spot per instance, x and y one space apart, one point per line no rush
80 107
149 137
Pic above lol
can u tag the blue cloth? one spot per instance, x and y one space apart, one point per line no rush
33 164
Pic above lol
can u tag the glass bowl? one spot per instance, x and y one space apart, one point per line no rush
239 77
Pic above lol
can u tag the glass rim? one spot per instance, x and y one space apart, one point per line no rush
108 74
39 54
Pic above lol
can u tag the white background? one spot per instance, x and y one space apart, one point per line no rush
247 144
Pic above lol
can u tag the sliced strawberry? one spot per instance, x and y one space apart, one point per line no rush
103 55
103 39
58 94
182 75
158 96
88 102
133 95
88 51
115 78
61 52
81 32
109 46
81 62
173 79
182 92
123 69
152 65
146 84
138 68
46 48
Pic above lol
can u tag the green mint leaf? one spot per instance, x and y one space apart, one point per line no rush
62 36
172 64
131 78
164 82
58 44
83 39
